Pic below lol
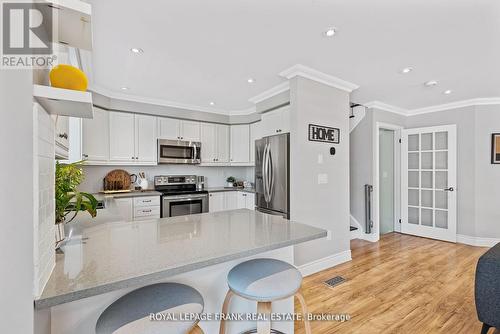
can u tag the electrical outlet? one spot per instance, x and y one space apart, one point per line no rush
320 158
322 178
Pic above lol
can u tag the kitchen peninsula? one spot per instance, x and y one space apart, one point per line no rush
103 261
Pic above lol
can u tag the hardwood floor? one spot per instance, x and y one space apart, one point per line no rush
402 284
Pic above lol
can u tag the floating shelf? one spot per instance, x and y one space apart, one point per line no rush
65 102
72 22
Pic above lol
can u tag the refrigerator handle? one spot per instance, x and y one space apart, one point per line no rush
264 171
271 174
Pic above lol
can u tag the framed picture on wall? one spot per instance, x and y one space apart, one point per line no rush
495 148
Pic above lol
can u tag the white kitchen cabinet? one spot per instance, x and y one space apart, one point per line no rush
170 128
246 200
240 143
255 133
214 143
230 200
189 130
145 139
121 137
216 201
132 138
61 136
125 207
275 122
222 143
95 137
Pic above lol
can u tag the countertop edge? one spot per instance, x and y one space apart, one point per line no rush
221 189
43 303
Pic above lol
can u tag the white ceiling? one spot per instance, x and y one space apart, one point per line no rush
197 51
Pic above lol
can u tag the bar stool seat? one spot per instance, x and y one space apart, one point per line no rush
130 314
264 281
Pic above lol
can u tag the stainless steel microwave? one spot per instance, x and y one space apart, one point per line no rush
178 152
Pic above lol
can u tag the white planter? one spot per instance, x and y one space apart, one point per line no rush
230 184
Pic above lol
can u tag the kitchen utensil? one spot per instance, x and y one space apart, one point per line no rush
117 179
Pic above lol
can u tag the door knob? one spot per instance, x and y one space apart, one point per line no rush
449 189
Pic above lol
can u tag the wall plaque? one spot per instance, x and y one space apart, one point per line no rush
324 134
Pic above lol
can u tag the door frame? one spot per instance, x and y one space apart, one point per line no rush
375 235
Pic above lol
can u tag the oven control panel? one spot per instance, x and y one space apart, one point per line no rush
165 180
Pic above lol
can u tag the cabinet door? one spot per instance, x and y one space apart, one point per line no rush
190 130
255 133
121 137
285 120
271 122
95 136
168 128
242 202
62 130
230 200
208 142
125 208
240 143
222 143
250 201
216 202
145 138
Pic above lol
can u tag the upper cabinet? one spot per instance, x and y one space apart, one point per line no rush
255 133
240 143
61 136
214 143
132 138
170 128
95 137
275 122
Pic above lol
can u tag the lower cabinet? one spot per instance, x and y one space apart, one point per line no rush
231 200
138 208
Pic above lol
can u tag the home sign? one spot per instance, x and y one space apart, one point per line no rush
324 134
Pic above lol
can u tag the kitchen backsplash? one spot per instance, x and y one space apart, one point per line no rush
214 176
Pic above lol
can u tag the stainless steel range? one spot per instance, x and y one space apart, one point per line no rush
180 195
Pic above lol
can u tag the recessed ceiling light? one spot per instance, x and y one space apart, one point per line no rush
447 92
330 32
137 50
212 103
124 88
250 80
431 83
406 70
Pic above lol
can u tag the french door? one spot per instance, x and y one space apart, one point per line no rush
428 182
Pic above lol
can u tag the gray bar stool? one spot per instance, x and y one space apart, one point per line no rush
264 281
130 313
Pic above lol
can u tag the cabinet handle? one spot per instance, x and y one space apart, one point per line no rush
63 135
146 201
133 158
146 211
136 158
85 155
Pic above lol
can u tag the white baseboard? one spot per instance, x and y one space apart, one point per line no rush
325 263
477 241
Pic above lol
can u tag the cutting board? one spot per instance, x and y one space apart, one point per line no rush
117 180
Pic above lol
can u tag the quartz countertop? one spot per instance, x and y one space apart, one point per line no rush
219 189
100 257
133 193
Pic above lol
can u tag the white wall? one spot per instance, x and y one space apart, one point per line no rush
322 205
16 202
215 176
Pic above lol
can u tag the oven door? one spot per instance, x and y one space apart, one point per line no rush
181 205
178 152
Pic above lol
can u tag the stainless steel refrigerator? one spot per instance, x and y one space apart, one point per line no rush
272 181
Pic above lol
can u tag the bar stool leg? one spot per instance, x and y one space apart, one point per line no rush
264 309
225 308
303 305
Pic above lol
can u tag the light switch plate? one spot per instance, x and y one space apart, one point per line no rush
320 158
322 178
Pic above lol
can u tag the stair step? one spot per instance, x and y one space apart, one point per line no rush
353 228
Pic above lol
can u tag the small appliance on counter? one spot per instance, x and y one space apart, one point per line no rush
181 195
140 180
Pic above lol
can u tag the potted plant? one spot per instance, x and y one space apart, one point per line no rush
230 181
70 201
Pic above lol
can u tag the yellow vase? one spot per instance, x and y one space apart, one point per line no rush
68 77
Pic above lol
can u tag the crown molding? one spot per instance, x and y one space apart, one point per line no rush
140 99
243 112
456 105
312 74
278 89
387 107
